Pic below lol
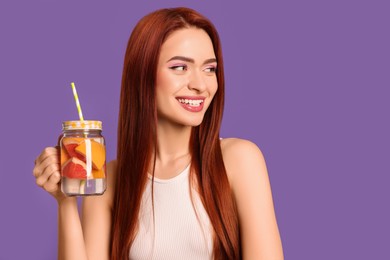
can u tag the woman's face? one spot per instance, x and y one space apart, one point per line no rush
186 77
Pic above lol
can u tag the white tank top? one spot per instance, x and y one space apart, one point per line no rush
180 231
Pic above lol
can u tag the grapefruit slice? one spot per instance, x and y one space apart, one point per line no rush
70 143
98 153
74 169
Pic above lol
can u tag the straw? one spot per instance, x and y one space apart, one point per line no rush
76 98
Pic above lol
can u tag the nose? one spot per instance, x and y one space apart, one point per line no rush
197 82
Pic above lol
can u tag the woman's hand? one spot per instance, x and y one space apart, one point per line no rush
47 172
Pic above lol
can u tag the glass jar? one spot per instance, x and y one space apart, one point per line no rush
83 158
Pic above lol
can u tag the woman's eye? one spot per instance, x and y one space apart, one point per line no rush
211 69
178 67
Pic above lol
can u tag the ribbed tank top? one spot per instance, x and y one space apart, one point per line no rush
180 230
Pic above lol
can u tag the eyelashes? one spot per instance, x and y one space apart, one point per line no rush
184 67
179 67
210 69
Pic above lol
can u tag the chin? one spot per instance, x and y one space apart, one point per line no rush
192 122
185 119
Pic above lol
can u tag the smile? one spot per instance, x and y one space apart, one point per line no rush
191 104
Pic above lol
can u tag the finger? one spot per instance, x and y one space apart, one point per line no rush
36 171
40 167
50 157
51 185
46 173
45 153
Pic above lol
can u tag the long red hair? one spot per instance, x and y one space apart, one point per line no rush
137 137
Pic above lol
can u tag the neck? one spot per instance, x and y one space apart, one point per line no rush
172 142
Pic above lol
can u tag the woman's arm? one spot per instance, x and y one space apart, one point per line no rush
70 235
248 177
96 219
74 240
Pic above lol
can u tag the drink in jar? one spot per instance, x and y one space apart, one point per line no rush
83 158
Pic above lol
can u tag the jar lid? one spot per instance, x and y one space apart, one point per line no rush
82 125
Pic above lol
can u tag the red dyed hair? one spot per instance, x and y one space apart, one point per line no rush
137 136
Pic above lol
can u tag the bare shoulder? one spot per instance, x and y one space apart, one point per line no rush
248 177
241 157
236 146
111 177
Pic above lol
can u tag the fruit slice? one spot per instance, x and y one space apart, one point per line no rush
64 156
98 174
70 143
98 153
74 169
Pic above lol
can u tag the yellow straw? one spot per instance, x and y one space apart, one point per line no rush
76 98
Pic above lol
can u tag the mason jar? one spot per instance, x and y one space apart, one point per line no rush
83 158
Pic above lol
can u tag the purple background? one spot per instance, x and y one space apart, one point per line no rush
308 81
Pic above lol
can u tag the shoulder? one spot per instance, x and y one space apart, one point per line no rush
248 178
111 177
236 146
111 169
241 157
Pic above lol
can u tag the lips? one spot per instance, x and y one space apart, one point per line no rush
192 104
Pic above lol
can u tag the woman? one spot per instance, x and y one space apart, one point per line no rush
176 191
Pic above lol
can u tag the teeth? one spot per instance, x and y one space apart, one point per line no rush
191 102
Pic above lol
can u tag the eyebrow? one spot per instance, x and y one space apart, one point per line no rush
187 59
